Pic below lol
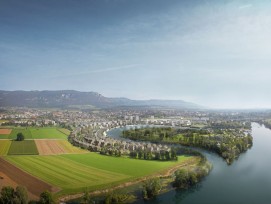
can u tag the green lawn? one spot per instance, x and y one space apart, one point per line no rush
74 173
38 133
4 136
15 131
26 147
4 147
65 131
132 167
47 133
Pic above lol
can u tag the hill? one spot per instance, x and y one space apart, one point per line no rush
74 99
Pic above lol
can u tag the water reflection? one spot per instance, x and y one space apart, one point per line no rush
247 180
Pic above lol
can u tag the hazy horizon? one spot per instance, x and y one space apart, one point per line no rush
212 53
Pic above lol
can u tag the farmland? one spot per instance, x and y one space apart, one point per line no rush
47 133
73 173
23 147
65 131
4 147
55 147
46 155
14 176
35 133
5 131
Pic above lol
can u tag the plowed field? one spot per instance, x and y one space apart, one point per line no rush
5 131
13 175
55 147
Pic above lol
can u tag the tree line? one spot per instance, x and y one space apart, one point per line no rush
9 195
227 143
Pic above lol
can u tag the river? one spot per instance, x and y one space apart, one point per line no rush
246 181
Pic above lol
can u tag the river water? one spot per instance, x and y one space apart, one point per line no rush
246 181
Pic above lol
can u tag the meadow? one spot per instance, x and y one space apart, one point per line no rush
65 131
38 133
4 147
74 173
47 133
23 148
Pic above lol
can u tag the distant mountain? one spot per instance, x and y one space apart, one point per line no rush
70 98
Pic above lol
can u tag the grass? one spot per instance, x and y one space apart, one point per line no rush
38 133
47 133
74 173
123 165
26 147
70 148
24 131
65 131
4 147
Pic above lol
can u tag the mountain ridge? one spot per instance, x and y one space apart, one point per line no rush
69 98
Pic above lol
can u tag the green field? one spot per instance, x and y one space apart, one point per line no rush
73 173
4 147
26 147
65 131
38 133
4 136
25 131
47 133
70 148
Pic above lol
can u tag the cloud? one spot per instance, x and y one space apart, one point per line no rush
102 70
245 6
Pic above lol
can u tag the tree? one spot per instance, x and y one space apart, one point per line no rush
116 198
46 198
185 179
20 136
7 195
11 196
86 199
151 188
21 194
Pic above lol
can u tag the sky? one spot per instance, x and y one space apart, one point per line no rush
216 53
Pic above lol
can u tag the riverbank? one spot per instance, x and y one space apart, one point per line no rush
165 174
227 143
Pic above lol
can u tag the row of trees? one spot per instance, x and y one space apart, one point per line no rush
161 155
183 179
19 195
159 133
228 143
111 151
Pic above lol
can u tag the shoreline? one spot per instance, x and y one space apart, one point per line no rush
163 174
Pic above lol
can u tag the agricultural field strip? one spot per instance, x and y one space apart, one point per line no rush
64 131
58 146
47 133
4 147
36 133
63 172
133 167
20 177
5 131
49 147
23 147
27 134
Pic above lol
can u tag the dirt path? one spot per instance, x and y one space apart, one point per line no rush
16 175
163 174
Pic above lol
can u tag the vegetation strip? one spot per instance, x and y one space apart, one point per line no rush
26 147
33 184
228 143
164 174
4 147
